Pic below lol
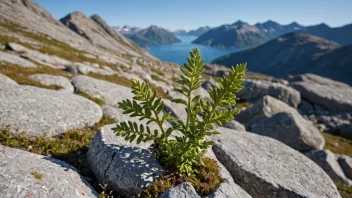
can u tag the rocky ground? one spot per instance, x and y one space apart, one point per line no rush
60 84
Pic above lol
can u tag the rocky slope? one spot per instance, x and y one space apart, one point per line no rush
292 53
340 35
236 35
153 35
272 29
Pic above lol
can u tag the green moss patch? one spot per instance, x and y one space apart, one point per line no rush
338 144
206 181
345 191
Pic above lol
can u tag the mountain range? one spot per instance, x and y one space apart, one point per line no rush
296 53
196 32
149 36
243 35
236 35
153 35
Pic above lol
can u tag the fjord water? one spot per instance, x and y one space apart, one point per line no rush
178 52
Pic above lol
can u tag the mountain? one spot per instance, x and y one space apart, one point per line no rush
272 29
196 32
336 64
341 35
237 35
127 30
292 53
153 35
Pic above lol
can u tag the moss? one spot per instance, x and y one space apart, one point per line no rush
206 181
37 175
345 191
20 74
241 105
99 101
338 144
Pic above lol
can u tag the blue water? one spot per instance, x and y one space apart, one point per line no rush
178 52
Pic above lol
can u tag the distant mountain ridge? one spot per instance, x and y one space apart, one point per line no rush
296 53
197 32
273 29
153 35
236 35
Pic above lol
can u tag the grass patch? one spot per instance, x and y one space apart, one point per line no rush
207 180
20 74
257 76
338 144
70 147
345 191
99 101
37 175
241 105
157 71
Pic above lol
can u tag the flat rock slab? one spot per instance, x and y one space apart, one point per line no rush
45 79
42 112
126 167
24 174
228 188
111 93
183 190
81 68
6 81
291 129
267 168
327 160
346 165
332 95
233 124
16 60
255 89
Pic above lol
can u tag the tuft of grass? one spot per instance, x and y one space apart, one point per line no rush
345 191
20 74
99 101
207 180
37 175
157 71
338 144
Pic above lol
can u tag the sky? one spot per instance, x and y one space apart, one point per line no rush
191 14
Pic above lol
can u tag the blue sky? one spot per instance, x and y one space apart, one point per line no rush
190 14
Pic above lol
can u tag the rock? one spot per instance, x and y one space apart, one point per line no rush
233 124
126 167
53 80
305 107
255 89
291 129
25 174
16 60
328 161
334 123
347 131
265 167
346 165
332 95
42 112
209 84
228 188
38 57
6 81
81 68
183 190
265 107
215 70
177 110
111 93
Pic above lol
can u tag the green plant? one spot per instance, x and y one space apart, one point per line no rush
183 153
